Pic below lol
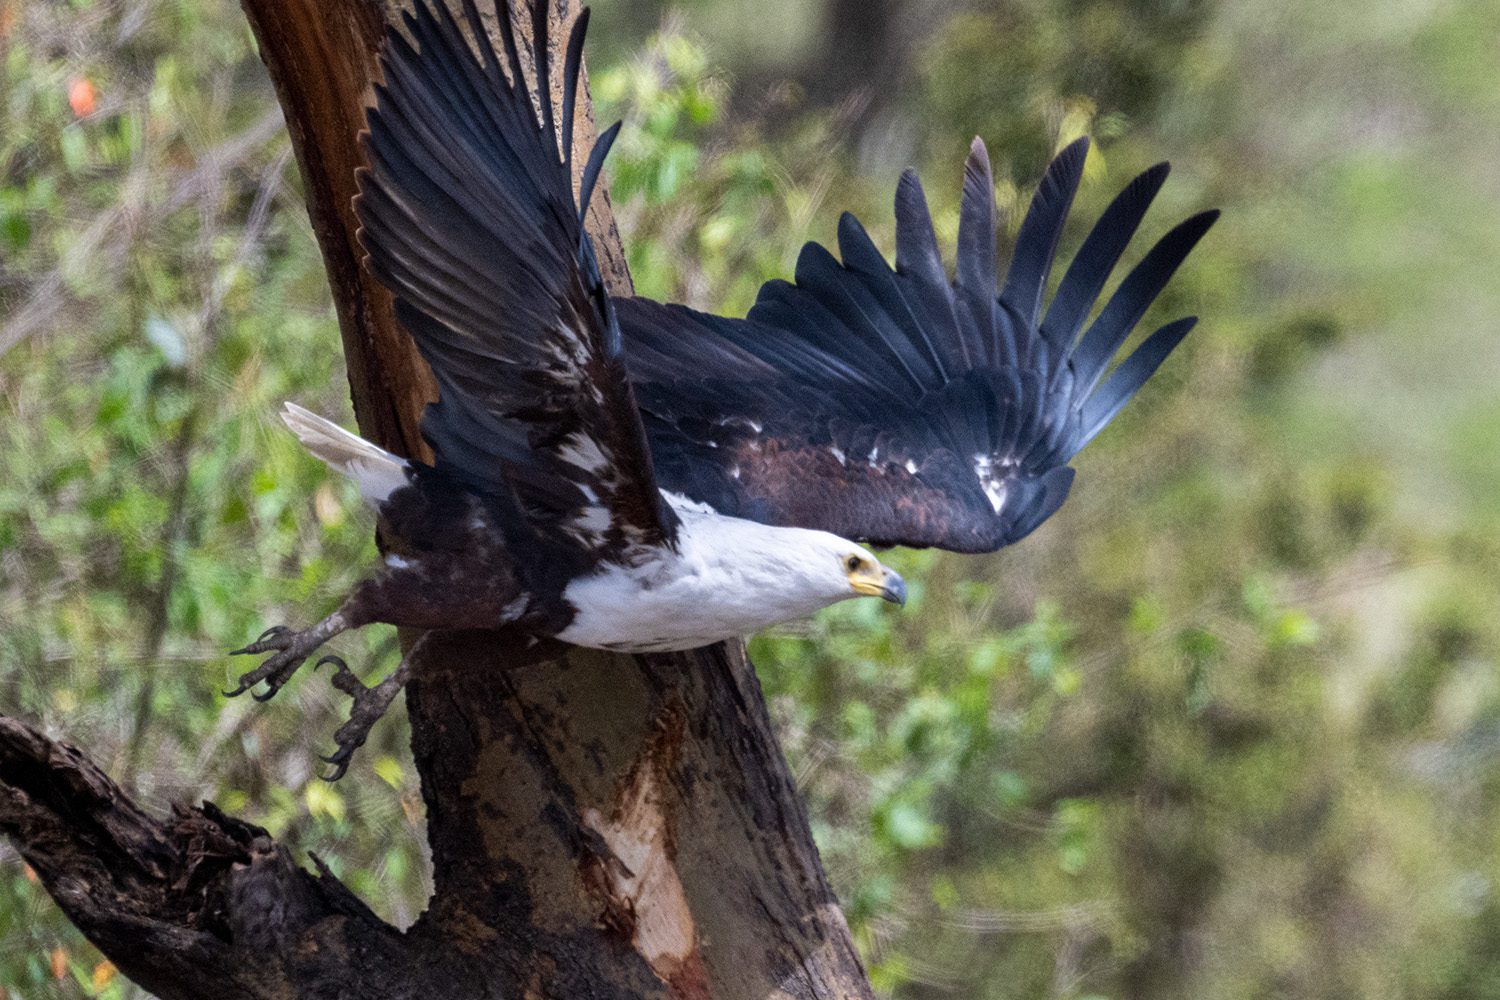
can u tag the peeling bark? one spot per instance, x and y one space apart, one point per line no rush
601 825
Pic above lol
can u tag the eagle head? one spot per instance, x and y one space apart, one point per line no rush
869 578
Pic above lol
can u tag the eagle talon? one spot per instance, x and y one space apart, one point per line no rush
344 678
267 694
290 648
370 705
339 759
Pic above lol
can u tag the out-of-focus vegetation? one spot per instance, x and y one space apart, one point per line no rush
1227 726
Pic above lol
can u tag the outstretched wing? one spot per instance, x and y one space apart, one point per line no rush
895 406
468 216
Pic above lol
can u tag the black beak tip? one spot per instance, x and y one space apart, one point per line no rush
894 590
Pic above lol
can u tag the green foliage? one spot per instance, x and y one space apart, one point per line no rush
1021 74
702 195
1224 727
152 514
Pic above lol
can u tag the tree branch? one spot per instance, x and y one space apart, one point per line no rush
196 904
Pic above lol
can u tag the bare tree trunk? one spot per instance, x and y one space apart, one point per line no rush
601 826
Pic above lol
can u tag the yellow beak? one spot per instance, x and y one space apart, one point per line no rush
883 583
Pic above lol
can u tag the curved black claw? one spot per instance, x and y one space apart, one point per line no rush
343 677
338 662
340 759
267 694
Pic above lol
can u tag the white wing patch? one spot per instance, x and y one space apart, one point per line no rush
592 520
583 451
994 486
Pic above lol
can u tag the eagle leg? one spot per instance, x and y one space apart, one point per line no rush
370 703
477 591
291 648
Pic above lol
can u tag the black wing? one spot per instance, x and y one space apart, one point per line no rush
895 406
468 216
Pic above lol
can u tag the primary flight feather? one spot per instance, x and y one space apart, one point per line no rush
640 477
897 407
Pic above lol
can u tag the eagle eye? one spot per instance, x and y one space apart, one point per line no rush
854 563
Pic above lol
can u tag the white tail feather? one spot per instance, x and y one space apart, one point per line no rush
374 470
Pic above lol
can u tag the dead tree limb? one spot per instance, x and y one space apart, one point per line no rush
601 826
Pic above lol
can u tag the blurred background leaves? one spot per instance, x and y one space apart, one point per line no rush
1228 725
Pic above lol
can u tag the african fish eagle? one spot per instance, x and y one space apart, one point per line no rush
632 476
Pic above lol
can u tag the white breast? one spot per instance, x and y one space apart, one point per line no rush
729 578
